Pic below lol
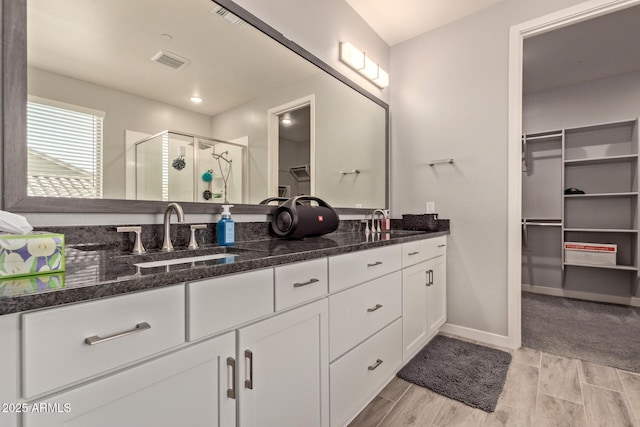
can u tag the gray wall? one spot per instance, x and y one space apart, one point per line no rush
449 100
599 101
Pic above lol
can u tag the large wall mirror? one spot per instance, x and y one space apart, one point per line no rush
130 105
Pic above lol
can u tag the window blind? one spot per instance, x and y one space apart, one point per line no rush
64 152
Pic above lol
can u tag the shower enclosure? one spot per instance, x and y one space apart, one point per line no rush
176 166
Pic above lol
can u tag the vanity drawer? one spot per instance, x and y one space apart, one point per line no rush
434 247
123 329
360 312
214 305
358 267
411 254
300 282
359 374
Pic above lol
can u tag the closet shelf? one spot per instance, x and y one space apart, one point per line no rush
621 194
601 230
601 160
608 267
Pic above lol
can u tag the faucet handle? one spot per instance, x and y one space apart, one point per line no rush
137 245
193 242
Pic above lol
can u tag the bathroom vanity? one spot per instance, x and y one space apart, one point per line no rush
285 333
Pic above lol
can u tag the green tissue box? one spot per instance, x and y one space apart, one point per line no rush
31 254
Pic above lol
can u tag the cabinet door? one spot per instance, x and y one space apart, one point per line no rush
437 294
414 309
285 373
186 388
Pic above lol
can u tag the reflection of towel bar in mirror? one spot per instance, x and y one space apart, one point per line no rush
437 162
356 171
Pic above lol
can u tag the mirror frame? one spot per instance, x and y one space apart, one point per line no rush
14 125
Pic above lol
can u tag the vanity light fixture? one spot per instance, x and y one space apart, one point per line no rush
360 62
196 99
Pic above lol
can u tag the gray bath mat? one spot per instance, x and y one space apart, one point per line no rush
469 373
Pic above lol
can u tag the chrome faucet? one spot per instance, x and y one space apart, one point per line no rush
374 228
166 244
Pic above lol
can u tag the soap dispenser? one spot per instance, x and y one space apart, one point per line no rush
226 228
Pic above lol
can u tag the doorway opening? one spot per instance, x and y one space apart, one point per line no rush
518 34
291 148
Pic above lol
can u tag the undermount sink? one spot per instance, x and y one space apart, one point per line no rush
184 260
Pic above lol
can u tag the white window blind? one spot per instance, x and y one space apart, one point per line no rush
64 151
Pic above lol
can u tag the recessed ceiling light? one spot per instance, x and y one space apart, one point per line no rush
286 121
196 99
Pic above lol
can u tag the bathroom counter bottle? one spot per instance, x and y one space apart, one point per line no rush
226 228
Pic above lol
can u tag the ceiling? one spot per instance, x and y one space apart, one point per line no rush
402 20
601 47
590 50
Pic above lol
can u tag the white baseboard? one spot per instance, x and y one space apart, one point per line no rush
589 296
476 335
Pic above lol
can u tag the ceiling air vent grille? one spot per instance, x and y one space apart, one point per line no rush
230 17
170 60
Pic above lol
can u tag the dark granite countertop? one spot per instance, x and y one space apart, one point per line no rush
97 271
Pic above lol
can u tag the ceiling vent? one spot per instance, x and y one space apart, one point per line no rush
230 17
170 60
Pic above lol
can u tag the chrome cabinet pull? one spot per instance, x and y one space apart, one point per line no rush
231 392
249 383
414 253
429 277
94 340
375 365
377 307
298 285
374 264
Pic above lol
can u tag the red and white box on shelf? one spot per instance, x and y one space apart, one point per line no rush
590 253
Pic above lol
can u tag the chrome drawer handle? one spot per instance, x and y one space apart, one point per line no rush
414 253
377 307
375 365
94 340
441 246
374 264
231 392
298 285
248 383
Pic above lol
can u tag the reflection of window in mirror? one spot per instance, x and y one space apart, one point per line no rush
64 150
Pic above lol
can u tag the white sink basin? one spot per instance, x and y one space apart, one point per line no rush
187 260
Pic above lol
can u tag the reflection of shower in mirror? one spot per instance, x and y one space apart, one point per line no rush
176 166
223 158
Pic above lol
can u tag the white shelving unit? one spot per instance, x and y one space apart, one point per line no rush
602 161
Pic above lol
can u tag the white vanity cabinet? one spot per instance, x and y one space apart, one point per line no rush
365 327
186 388
302 344
424 294
282 361
9 337
284 369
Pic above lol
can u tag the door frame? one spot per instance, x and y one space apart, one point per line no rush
273 139
517 34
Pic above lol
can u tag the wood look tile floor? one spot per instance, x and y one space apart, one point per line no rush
541 390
